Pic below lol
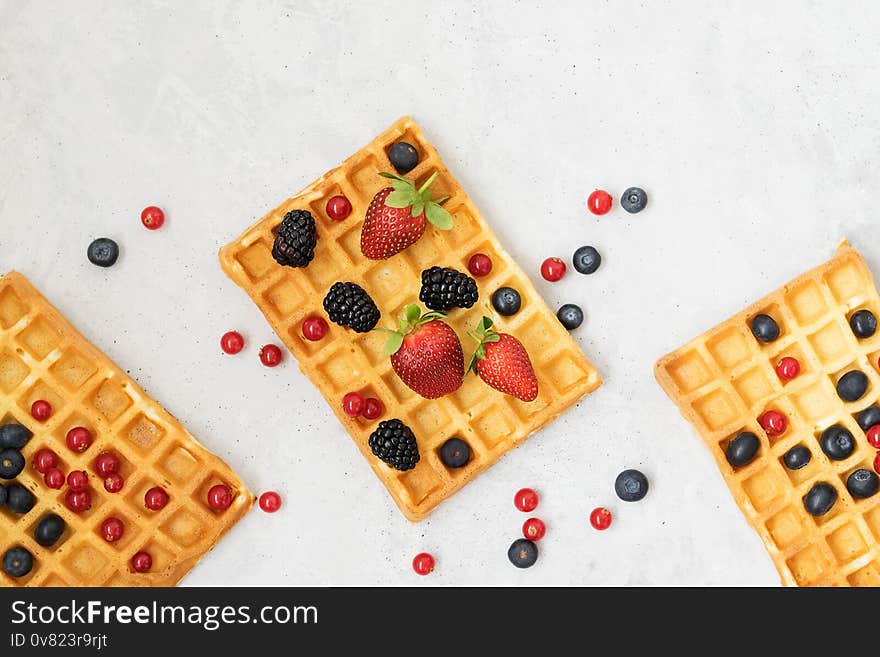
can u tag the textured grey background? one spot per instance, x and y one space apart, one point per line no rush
753 125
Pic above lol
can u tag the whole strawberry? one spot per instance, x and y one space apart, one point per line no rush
397 217
426 353
503 363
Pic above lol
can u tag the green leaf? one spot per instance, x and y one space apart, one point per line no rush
401 325
393 176
399 199
438 216
492 337
401 186
395 341
418 207
480 352
412 313
438 201
382 329
485 324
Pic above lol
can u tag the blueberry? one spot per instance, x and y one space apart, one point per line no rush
570 316
820 498
634 200
103 252
3 495
797 457
765 328
862 483
863 324
631 485
14 436
404 157
17 562
19 498
49 530
852 386
586 260
522 553
455 453
742 449
837 442
11 463
869 417
506 301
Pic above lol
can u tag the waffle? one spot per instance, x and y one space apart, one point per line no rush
492 423
724 380
43 357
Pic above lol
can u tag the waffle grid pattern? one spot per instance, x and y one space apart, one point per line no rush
490 422
725 380
43 357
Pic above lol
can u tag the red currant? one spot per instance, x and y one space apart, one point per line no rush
525 500
44 460
152 217
552 269
774 423
106 464
270 355
54 478
77 480
599 202
141 562
338 207
79 439
479 265
877 463
219 497
788 368
874 436
533 529
113 482
600 518
232 342
314 328
353 404
112 529
41 410
155 498
423 563
270 502
372 408
78 500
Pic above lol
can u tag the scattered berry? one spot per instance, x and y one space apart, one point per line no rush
270 355
338 207
314 328
862 483
742 450
155 498
479 265
295 240
874 436
837 442
103 252
232 342
455 453
869 417
219 497
112 529
852 386
106 464
44 460
17 562
49 529
113 482
797 457
78 480
506 301
820 498
599 202
526 499
774 423
444 288
877 463
14 436
403 156
19 499
372 408
552 269
586 260
764 328
395 444
53 478
152 217
631 485
423 563
348 304
78 500
600 518
11 463
41 410
534 529
522 553
79 439
788 368
863 324
634 200
353 404
570 316
270 502
141 562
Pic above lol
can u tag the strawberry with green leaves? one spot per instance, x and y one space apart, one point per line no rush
503 363
425 353
398 215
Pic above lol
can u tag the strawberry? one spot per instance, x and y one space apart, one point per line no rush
397 217
426 353
503 363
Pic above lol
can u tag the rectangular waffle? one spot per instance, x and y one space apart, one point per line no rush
724 380
492 423
43 357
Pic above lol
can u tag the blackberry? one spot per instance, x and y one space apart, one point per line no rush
444 288
395 443
348 304
295 240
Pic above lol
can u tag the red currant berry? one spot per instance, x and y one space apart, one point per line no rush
533 529
152 217
552 269
106 464
874 436
141 562
270 502
600 518
525 500
44 460
788 368
232 342
54 478
774 423
112 530
113 482
423 563
877 463
78 500
219 497
599 202
155 498
314 328
41 410
479 265
77 480
372 408
270 355
79 439
353 404
338 207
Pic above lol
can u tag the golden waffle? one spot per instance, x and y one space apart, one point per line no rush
492 423
724 380
43 357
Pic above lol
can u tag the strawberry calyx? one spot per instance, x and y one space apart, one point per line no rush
407 195
411 319
483 334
